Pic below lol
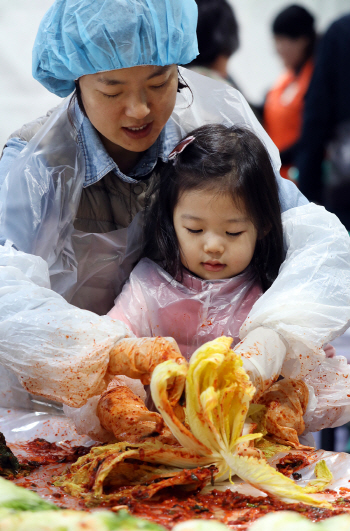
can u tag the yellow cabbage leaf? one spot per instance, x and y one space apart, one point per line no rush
218 395
324 478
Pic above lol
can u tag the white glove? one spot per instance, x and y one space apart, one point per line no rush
263 352
86 420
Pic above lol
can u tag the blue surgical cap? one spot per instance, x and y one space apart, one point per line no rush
79 37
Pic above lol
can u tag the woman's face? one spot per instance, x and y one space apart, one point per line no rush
291 51
129 107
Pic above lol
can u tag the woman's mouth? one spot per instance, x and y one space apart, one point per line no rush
138 132
213 266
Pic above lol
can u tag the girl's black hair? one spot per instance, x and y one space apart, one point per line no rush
228 160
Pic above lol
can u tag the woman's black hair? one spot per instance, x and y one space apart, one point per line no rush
227 160
75 97
294 21
217 31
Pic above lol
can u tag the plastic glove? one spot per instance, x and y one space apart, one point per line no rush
286 403
124 414
137 358
263 352
86 419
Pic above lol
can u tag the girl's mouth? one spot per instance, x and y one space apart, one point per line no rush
213 266
138 132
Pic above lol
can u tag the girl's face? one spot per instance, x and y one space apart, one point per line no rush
129 107
216 238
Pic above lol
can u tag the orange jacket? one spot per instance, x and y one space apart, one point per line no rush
283 110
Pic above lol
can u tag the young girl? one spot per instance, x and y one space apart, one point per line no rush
216 226
214 244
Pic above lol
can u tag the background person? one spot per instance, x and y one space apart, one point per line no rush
218 40
326 125
295 37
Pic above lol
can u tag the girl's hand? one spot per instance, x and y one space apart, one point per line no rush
329 350
263 352
286 402
137 358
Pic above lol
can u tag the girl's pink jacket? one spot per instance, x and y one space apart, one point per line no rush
193 312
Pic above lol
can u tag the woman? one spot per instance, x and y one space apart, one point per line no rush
78 180
295 38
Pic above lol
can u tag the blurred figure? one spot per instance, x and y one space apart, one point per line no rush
295 38
218 39
326 126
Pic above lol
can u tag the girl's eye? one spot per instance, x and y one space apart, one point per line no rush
192 231
234 233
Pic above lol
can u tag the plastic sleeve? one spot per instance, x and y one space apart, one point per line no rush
329 380
10 153
263 352
56 350
309 302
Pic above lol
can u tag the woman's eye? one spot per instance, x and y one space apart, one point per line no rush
192 231
234 233
160 86
110 95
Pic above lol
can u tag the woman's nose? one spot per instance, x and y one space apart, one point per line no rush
214 245
137 107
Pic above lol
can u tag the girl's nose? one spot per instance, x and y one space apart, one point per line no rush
214 245
137 107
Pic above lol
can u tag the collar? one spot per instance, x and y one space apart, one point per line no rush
98 162
198 284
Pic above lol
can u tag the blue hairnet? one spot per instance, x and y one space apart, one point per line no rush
79 37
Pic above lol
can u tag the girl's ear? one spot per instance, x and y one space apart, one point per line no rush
264 232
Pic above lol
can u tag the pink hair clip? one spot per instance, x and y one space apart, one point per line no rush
180 147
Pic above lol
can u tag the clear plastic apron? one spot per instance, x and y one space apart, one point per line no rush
105 262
